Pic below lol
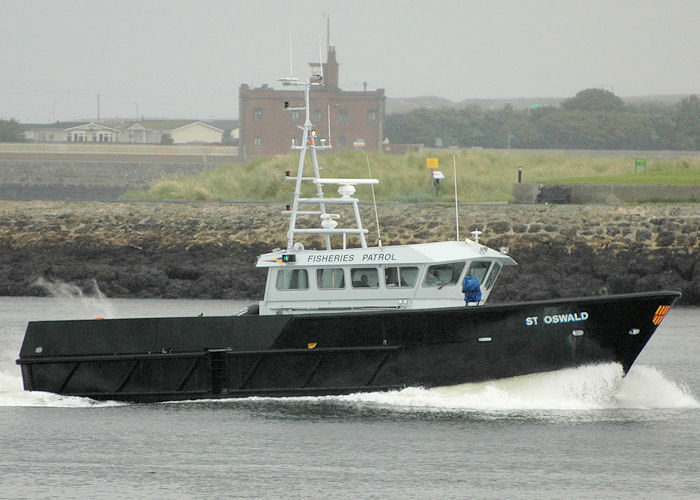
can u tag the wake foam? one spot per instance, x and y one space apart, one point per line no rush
595 387
13 394
599 387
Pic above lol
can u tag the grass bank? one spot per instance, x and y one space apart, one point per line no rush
481 175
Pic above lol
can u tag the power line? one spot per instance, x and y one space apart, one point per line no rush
117 93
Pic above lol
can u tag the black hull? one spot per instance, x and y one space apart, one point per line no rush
165 359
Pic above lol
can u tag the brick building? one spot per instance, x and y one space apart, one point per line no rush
356 117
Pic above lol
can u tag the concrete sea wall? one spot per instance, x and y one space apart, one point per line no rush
208 250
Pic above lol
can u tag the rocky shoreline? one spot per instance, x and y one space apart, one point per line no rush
208 250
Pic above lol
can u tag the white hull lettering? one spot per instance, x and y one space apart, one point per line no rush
565 318
554 319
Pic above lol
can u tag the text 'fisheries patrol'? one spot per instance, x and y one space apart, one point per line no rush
340 258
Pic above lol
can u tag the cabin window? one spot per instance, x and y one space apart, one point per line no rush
330 278
494 274
364 277
478 269
292 279
401 277
443 274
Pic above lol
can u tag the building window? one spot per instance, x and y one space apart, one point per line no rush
343 116
257 114
257 141
372 115
68 137
295 116
317 116
342 141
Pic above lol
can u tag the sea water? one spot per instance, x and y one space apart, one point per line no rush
578 433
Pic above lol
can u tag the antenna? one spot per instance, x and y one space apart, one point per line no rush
454 167
329 127
291 71
374 201
320 57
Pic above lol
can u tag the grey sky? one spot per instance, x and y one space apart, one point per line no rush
182 58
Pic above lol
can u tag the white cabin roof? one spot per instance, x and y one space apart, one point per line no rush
444 251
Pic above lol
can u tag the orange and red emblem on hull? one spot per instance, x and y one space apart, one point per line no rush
660 314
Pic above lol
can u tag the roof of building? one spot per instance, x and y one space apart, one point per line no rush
217 129
93 126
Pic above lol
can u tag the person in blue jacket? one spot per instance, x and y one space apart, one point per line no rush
471 289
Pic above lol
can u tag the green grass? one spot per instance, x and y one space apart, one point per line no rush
482 175
675 177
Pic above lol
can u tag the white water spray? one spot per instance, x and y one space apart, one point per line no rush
92 300
597 387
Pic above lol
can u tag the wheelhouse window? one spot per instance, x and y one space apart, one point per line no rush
478 269
443 274
292 279
330 278
401 277
494 274
364 277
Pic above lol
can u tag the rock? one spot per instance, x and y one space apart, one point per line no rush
209 249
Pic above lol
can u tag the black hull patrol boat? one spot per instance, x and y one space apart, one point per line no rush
162 359
342 320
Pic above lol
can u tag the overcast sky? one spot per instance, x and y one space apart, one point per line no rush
186 59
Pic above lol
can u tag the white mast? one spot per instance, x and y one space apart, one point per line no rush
310 141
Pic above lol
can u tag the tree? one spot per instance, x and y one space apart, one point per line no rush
11 131
166 139
687 134
593 100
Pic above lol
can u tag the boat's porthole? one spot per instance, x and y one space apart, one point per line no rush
484 339
39 350
634 331
577 333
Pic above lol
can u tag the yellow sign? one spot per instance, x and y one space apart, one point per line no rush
431 162
311 345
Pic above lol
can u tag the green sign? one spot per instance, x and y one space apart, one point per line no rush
640 163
